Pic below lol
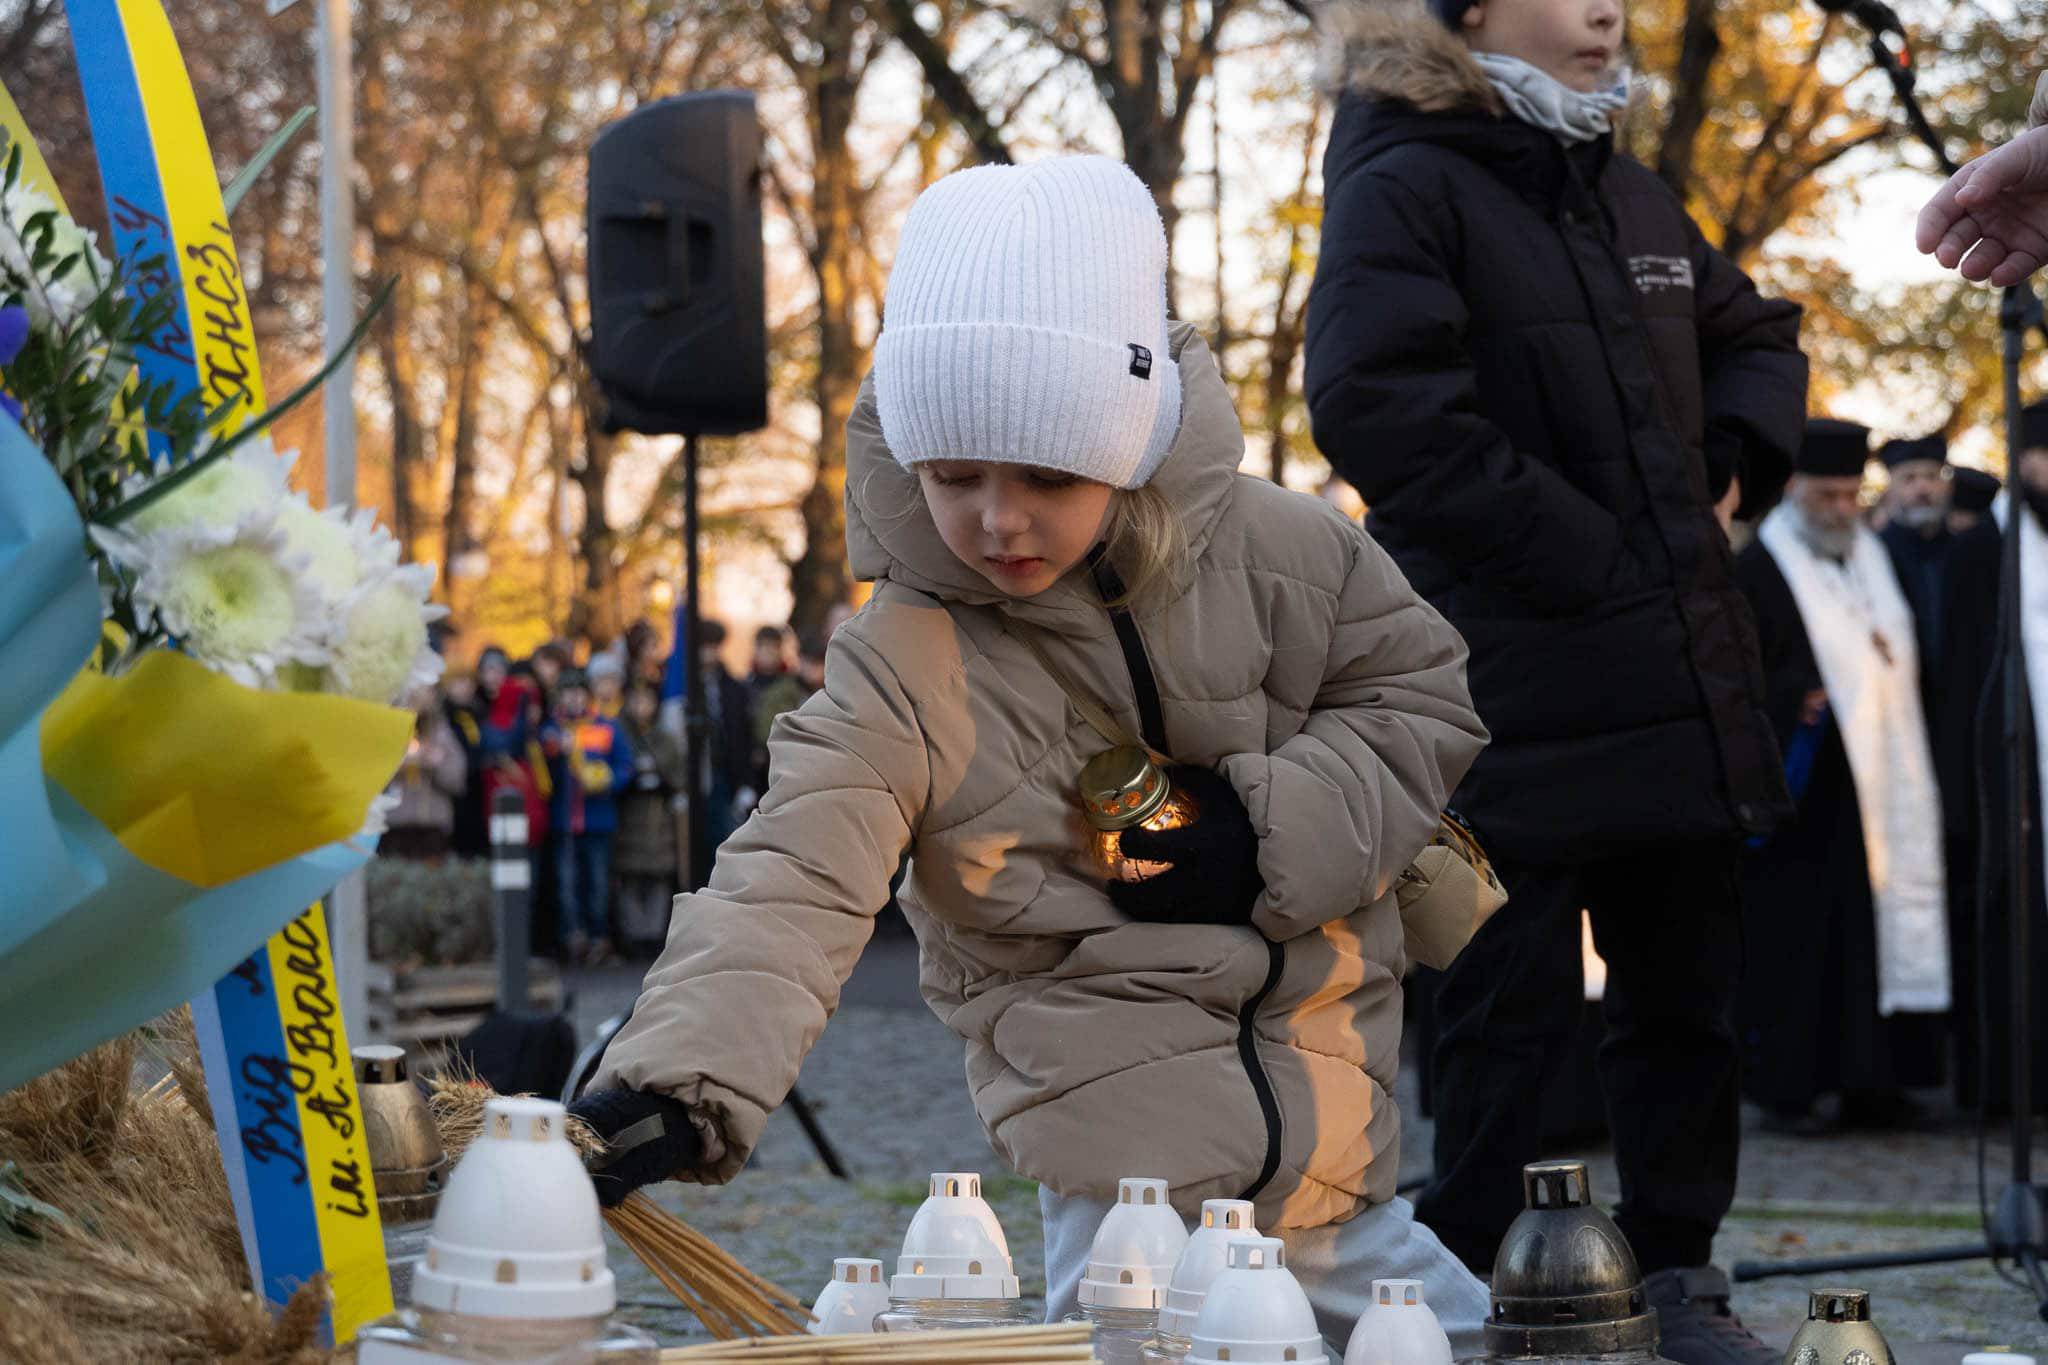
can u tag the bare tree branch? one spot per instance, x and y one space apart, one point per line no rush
1058 38
946 83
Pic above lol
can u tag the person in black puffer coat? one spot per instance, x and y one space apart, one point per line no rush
1543 379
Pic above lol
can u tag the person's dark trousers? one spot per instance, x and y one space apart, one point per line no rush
583 880
1669 925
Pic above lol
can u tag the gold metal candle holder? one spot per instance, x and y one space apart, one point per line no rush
1124 789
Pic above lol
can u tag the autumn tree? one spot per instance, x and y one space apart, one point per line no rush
1146 61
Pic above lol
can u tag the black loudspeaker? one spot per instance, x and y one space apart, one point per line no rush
679 336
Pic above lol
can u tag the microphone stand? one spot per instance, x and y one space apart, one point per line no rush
2016 1232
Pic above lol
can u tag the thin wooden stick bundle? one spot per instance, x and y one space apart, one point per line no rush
991 1346
729 1299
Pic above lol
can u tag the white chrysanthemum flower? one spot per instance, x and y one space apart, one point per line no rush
381 653
61 299
242 605
327 542
248 486
377 551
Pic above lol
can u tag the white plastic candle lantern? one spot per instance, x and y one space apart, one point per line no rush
1130 1265
955 1269
1256 1311
1398 1328
1223 1222
1135 1250
851 1301
515 1267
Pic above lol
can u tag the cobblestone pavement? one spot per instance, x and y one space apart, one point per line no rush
887 1083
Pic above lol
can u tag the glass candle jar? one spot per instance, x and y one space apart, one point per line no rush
1166 1349
948 1315
1124 789
427 1336
1121 1334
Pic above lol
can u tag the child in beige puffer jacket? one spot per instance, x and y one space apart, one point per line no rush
1042 475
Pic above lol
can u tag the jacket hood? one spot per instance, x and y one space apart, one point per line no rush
1396 50
890 535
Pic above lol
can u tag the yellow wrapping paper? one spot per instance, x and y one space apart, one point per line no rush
246 780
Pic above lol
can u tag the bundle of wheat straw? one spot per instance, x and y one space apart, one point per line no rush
110 1269
729 1299
1008 1346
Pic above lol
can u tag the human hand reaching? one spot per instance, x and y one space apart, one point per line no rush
648 1138
1990 221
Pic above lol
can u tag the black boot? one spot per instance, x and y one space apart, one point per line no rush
1697 1325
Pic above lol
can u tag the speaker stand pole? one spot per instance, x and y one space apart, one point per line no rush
696 723
697 726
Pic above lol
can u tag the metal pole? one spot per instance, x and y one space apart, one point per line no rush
2016 313
1748 1272
512 886
697 725
337 244
348 918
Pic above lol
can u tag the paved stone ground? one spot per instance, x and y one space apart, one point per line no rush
886 1080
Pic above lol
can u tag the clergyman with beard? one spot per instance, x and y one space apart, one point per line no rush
1845 906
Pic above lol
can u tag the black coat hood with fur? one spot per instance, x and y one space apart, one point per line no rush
1541 377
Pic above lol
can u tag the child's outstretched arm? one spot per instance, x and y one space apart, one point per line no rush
1393 396
1346 804
754 962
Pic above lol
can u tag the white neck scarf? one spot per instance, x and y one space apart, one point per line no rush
1862 635
1538 98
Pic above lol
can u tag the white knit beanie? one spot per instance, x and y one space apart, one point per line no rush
1026 324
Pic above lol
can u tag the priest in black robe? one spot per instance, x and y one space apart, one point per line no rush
1992 975
1951 580
1847 974
1971 493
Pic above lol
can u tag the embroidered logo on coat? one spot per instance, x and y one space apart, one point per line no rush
1655 274
1141 360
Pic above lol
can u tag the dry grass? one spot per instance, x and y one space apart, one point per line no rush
145 1262
457 1096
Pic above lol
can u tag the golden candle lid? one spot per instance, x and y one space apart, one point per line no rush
1122 788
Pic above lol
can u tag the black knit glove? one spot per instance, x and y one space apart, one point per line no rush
650 1138
1215 874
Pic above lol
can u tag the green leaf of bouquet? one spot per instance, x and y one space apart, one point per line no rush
214 416
239 186
297 396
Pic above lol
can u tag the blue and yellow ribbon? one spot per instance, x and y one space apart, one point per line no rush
35 172
164 202
278 1065
279 1077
